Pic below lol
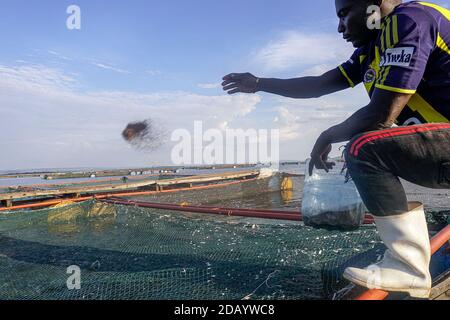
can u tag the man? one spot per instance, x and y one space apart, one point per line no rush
405 67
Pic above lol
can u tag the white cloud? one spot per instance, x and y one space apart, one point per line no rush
298 53
209 85
34 77
289 124
111 68
59 55
50 124
319 69
296 50
301 121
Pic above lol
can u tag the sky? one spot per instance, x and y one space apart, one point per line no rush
66 95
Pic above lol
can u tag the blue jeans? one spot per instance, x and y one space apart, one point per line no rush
376 160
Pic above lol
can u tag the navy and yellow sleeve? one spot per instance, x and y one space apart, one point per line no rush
351 69
406 44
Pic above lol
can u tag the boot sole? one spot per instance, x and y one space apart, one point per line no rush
414 293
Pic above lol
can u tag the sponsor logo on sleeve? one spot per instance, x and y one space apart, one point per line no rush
399 57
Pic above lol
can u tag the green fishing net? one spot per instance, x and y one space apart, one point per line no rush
126 252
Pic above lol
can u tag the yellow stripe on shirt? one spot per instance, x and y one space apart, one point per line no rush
388 34
441 44
383 31
443 11
385 73
395 30
352 84
417 103
393 89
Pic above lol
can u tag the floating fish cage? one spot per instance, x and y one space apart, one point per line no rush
150 246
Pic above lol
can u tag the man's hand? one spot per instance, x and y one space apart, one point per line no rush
240 82
319 155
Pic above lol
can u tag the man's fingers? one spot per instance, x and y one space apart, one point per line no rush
323 165
330 165
326 152
230 77
227 82
234 91
227 77
318 163
230 87
311 167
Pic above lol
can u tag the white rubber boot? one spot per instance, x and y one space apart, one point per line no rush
405 266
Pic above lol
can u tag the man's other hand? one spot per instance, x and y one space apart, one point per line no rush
319 155
240 83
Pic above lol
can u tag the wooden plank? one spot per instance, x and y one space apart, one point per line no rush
78 190
443 296
210 178
441 290
128 186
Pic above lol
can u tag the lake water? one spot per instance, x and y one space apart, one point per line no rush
436 199
36 180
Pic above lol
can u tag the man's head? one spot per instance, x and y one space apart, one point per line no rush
353 16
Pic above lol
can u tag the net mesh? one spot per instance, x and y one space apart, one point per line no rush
133 253
127 252
254 193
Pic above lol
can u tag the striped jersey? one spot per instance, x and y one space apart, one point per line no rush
410 55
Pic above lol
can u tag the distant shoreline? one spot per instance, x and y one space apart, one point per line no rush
55 174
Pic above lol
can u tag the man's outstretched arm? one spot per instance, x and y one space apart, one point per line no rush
380 113
300 88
